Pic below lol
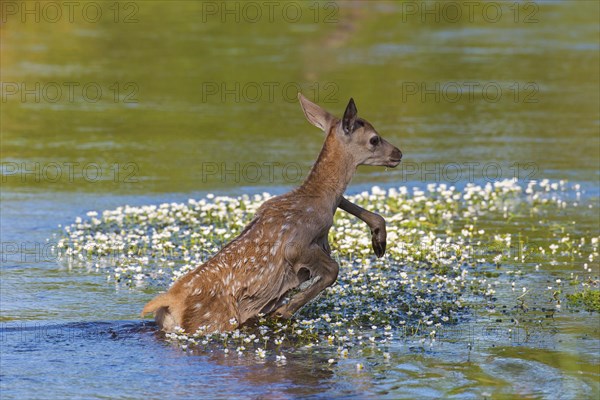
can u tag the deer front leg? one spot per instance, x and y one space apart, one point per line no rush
374 221
323 269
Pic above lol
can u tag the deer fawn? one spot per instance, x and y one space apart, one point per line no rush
285 247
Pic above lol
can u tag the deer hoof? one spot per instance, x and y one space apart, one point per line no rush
282 315
378 240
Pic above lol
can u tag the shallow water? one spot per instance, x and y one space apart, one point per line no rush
167 138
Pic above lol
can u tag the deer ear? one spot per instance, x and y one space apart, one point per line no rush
315 114
349 117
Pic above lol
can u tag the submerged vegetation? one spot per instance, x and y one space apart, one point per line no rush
502 252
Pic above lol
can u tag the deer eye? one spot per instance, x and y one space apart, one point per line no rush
375 140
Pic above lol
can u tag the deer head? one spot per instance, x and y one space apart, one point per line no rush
357 137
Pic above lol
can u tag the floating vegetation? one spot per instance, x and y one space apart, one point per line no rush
587 299
501 249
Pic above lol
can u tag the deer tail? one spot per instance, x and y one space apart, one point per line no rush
162 300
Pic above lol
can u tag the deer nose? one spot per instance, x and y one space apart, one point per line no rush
396 154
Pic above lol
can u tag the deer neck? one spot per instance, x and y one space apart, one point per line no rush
331 173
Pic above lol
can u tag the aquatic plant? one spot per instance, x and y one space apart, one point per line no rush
587 299
450 252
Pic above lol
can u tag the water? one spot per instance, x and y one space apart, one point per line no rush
185 122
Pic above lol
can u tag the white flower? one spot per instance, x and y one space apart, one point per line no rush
261 353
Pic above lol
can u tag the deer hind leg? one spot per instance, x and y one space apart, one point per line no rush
214 315
323 273
165 319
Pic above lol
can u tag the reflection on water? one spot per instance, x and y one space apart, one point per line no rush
161 101
110 353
